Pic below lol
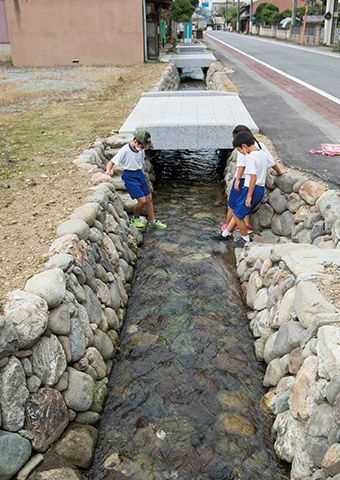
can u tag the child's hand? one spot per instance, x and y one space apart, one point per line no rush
236 185
248 202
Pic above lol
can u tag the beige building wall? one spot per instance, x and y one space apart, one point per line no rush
55 32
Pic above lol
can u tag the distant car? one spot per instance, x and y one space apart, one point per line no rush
209 28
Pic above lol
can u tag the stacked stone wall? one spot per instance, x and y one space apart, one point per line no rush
291 286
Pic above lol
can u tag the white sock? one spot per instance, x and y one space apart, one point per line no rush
246 238
225 233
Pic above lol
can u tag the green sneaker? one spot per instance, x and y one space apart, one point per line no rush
137 221
157 223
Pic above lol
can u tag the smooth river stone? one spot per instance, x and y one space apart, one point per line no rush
237 425
233 400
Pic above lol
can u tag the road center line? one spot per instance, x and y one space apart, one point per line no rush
274 69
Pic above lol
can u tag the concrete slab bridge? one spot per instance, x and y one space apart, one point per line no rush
189 120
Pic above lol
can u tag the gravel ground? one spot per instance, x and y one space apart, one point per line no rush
38 85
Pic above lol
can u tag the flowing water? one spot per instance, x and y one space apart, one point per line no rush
185 390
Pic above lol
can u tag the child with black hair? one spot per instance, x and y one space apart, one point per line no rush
255 172
238 182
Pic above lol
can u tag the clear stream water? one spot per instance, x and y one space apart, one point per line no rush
185 389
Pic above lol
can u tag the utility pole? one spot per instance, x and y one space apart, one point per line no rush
330 21
250 16
238 17
292 22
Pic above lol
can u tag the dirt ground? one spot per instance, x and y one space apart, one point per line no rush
47 117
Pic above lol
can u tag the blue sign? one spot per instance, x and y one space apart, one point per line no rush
205 4
188 31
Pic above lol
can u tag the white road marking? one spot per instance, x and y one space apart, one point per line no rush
284 74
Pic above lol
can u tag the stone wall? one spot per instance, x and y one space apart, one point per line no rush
170 79
292 291
217 78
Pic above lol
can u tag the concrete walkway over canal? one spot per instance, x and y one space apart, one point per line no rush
189 120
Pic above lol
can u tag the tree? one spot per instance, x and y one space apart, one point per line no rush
194 3
265 13
181 10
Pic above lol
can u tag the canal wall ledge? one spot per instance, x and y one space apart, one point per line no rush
291 286
59 335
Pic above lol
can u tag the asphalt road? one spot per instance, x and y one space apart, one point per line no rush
292 93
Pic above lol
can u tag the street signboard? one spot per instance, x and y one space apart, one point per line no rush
188 31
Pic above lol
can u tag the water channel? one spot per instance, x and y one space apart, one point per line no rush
185 389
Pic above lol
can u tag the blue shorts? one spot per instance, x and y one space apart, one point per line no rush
234 195
135 183
240 209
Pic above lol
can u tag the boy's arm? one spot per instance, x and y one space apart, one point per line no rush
251 187
240 171
108 167
278 169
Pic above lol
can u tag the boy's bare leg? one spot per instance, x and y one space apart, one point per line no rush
139 207
149 208
242 226
229 214
231 224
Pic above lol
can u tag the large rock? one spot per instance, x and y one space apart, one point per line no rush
50 285
14 453
268 353
254 283
308 302
75 226
77 338
310 191
79 394
289 434
9 338
103 344
69 245
265 214
48 360
328 351
46 417
59 474
77 445
331 461
29 315
287 181
87 213
302 466
316 432
283 224
92 306
278 201
59 320
274 373
13 395
96 361
288 338
301 398
286 308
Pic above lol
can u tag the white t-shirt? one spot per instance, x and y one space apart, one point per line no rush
257 163
241 159
128 159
